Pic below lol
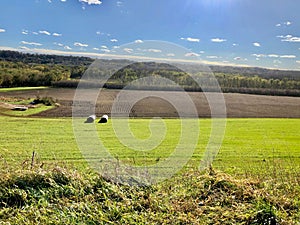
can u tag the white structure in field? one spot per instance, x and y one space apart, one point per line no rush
103 119
91 119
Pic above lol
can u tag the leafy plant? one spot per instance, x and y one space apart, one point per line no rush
48 101
266 215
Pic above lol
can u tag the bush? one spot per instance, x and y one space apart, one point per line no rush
48 101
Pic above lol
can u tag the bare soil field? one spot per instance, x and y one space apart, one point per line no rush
237 105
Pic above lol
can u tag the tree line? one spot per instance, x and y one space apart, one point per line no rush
23 69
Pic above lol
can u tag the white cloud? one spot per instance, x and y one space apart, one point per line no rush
113 40
57 34
111 56
191 39
212 57
30 43
119 3
288 23
128 50
44 32
24 48
202 52
67 47
25 32
289 38
58 44
154 50
171 54
63 0
78 44
138 41
103 46
258 55
273 55
105 50
288 56
97 49
218 40
191 54
102 33
2 30
286 36
298 61
91 2
237 58
292 39
35 33
256 44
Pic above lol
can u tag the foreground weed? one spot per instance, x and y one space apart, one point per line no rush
62 196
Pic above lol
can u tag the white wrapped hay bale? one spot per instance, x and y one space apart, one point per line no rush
103 119
91 119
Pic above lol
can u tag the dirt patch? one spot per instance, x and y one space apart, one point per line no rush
237 105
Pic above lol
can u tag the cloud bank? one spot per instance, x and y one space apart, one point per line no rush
31 43
289 38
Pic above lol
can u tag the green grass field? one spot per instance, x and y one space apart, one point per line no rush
250 146
255 176
22 89
32 110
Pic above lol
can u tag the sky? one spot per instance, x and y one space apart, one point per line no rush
260 33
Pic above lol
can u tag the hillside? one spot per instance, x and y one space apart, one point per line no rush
13 56
61 196
23 69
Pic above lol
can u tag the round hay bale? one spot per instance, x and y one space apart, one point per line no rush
90 119
103 119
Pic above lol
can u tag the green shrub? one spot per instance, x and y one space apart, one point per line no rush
48 101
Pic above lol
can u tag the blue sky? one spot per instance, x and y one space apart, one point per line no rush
263 33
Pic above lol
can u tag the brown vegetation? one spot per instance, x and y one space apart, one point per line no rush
237 105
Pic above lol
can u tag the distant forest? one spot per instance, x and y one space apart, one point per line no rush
23 69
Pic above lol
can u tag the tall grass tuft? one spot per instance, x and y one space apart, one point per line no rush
63 196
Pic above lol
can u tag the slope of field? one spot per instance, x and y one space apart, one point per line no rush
61 196
56 186
257 147
238 105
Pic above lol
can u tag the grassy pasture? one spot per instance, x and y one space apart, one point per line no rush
258 147
22 89
263 153
6 105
